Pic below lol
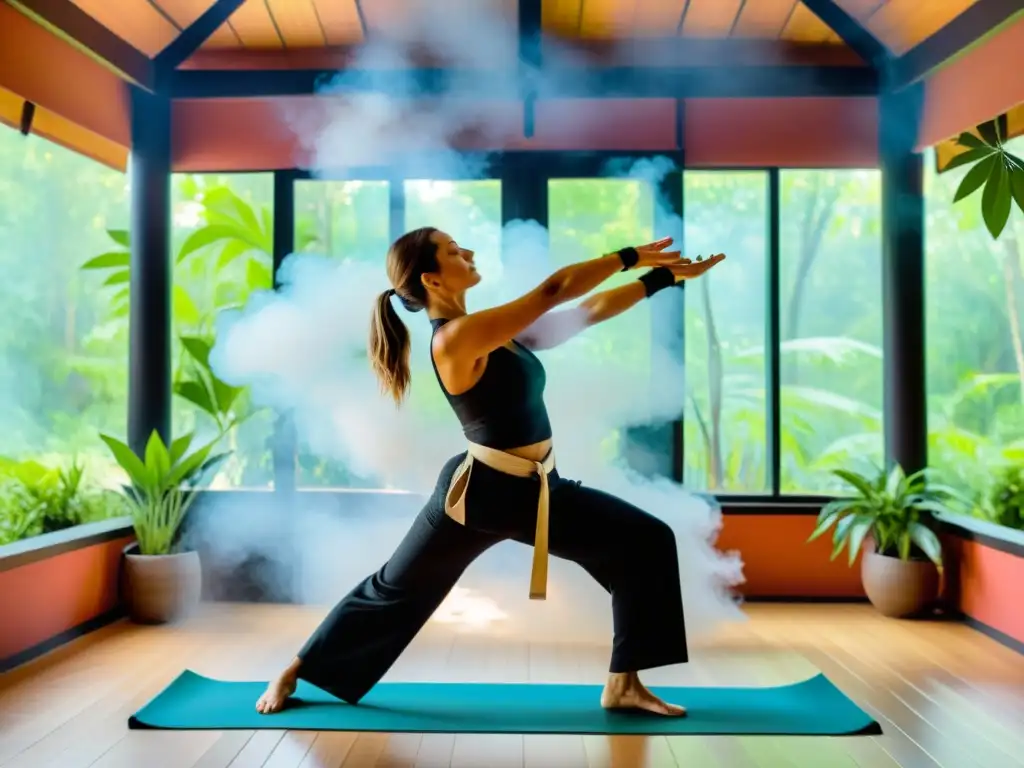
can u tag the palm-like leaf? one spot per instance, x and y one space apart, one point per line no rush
894 508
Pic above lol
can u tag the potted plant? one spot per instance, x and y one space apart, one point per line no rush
162 582
893 513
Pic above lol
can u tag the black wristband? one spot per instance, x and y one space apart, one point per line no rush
657 279
629 258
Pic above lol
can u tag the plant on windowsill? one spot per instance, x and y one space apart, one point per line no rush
999 172
162 580
1003 504
36 499
892 516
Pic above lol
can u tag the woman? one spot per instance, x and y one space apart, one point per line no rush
505 486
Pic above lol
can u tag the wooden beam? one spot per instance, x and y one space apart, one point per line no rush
73 25
973 26
192 38
605 83
851 31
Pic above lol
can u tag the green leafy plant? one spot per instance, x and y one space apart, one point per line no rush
19 514
201 386
232 226
163 484
999 172
1004 503
895 509
40 499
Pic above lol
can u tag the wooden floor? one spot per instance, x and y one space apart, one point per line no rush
944 694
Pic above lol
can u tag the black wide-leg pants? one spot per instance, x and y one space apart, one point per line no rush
631 553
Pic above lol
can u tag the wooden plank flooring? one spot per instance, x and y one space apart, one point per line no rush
944 694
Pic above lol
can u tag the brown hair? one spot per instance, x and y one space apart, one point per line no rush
409 257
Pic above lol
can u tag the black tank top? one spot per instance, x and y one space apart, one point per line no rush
505 408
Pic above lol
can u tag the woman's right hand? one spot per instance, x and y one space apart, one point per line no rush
686 269
655 255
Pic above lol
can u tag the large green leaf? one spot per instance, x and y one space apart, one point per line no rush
119 236
108 260
989 133
158 460
258 276
995 200
225 200
196 394
209 235
975 177
119 278
824 525
967 139
198 348
1017 186
859 530
970 156
179 446
185 310
840 537
857 481
232 250
127 460
189 465
225 394
927 542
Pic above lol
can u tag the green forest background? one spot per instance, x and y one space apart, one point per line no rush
64 341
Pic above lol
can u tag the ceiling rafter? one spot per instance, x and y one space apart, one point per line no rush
852 32
984 18
193 36
73 25
604 82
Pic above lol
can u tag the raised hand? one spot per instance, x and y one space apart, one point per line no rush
687 269
655 255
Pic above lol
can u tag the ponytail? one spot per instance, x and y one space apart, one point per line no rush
389 348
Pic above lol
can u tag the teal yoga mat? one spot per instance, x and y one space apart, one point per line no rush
813 707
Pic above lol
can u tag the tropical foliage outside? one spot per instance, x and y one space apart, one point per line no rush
63 347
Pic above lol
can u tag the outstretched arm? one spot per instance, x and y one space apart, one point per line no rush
554 328
475 335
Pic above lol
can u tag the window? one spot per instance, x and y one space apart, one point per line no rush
974 332
221 246
830 322
63 351
469 211
345 220
725 437
587 218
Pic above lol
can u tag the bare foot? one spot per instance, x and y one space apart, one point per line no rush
625 691
277 693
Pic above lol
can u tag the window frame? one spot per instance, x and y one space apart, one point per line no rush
524 177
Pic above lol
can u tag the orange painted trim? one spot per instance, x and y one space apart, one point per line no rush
794 133
63 132
778 561
259 134
44 598
986 584
43 69
981 84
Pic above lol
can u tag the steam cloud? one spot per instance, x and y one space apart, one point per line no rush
302 349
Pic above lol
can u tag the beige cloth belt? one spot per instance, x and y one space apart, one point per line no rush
517 466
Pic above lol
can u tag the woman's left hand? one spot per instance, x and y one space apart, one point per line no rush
688 269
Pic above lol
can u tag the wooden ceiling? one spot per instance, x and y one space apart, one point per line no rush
150 25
